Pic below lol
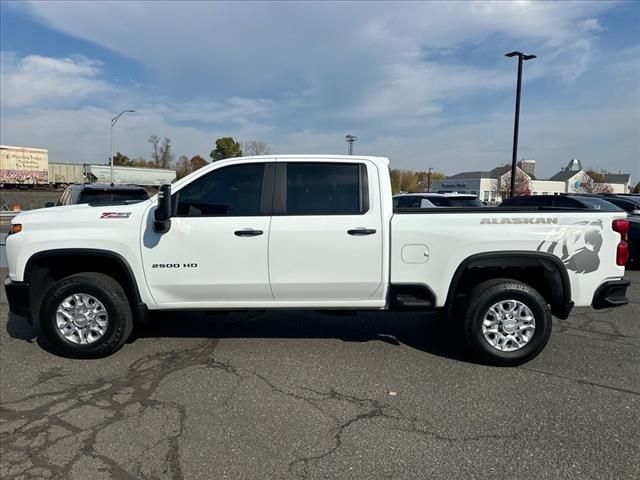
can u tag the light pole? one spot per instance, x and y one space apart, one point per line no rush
429 180
113 122
521 58
350 139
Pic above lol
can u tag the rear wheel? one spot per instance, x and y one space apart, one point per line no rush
86 315
507 322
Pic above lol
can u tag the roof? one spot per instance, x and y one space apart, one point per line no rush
565 175
430 194
463 175
617 178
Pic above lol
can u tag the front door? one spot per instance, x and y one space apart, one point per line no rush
326 234
215 253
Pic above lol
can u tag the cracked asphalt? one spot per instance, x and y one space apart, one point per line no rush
308 395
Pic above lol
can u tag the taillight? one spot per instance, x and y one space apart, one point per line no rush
622 227
622 252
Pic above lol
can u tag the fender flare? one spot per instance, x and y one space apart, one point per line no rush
555 272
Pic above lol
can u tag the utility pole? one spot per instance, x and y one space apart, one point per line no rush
429 180
516 123
113 122
350 139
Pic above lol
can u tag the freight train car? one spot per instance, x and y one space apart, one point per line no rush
23 166
62 174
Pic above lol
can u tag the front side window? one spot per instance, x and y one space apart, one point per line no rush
230 191
324 189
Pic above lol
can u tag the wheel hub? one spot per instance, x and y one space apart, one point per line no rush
81 318
508 325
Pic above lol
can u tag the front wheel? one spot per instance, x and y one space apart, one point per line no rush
86 315
507 322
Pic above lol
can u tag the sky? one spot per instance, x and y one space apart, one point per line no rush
424 83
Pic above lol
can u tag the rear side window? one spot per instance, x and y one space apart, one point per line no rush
111 196
229 191
325 189
409 201
464 202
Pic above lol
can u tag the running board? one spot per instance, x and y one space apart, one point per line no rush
412 297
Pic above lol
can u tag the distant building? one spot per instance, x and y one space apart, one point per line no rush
486 184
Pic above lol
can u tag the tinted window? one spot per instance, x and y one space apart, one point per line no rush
593 203
409 201
464 202
625 204
112 196
565 202
231 191
323 189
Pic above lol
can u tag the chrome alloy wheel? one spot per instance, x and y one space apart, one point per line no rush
508 325
82 318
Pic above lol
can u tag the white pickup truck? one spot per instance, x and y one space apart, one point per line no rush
310 232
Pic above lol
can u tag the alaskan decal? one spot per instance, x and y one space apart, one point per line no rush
578 248
115 214
518 221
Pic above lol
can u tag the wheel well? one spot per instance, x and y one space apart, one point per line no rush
43 270
547 275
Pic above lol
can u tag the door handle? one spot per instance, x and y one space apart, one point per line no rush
248 232
359 232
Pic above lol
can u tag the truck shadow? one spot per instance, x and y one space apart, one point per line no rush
424 332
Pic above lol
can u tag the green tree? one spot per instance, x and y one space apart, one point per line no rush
636 189
226 147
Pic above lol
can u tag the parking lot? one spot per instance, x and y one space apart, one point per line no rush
309 395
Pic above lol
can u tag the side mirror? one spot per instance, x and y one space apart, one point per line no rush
49 205
162 213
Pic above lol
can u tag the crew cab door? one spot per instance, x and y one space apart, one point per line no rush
325 245
215 253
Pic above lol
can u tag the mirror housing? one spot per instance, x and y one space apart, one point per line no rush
162 213
49 204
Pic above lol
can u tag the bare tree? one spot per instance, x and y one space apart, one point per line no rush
165 158
155 141
523 185
254 147
594 183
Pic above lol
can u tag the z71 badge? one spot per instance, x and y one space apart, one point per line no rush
115 215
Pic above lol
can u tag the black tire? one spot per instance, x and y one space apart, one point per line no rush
115 301
482 298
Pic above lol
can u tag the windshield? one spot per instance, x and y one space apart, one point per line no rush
593 203
112 196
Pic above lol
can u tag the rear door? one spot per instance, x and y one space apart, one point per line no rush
326 242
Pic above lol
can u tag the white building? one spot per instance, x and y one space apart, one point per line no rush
486 185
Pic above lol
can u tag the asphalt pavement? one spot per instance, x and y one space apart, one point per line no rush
308 395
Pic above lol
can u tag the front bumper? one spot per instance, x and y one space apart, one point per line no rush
611 294
18 297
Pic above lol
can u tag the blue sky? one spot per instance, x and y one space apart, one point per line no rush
424 83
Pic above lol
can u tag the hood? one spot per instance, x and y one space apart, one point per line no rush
80 212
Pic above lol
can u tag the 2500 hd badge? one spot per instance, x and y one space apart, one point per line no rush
174 265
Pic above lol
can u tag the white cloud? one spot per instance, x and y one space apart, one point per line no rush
301 75
35 80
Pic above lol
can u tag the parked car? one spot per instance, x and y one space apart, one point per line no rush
612 203
577 201
310 232
96 193
629 203
432 200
